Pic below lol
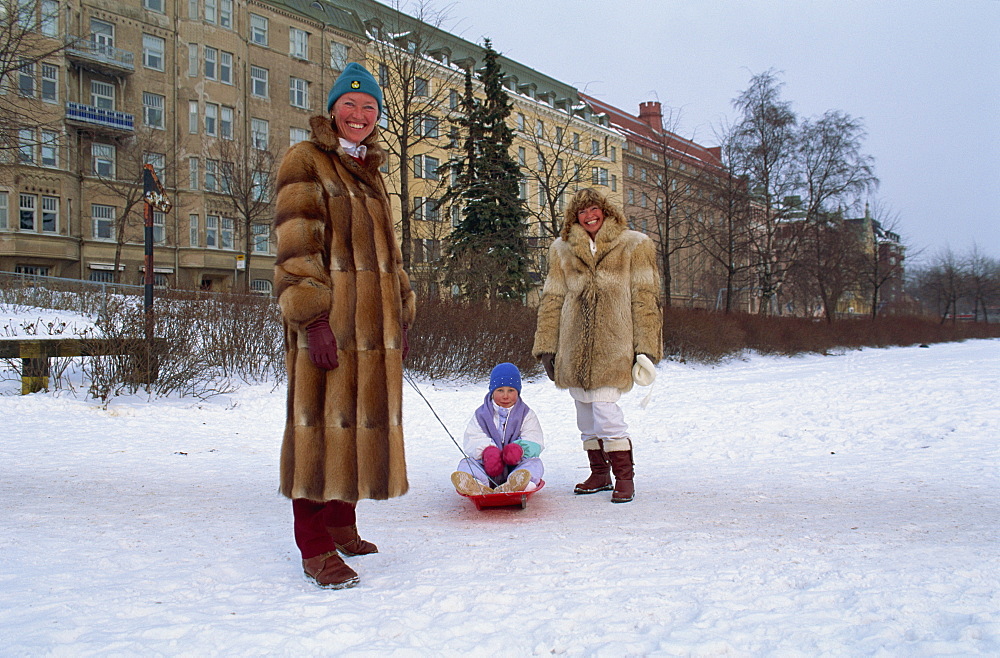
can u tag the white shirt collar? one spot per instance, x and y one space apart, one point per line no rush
352 149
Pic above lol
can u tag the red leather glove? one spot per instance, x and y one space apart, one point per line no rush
512 454
406 341
322 345
492 461
549 363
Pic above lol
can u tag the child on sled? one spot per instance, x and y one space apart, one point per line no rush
502 441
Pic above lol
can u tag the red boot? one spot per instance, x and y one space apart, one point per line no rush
622 465
329 571
349 542
600 473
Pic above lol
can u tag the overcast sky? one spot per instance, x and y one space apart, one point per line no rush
924 75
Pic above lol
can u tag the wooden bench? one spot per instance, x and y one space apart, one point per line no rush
36 352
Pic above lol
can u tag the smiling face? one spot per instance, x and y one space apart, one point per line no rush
591 219
505 396
355 114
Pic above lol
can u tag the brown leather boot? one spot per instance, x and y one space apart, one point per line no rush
622 466
600 473
329 571
349 542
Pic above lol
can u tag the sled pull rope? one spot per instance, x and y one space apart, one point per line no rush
413 384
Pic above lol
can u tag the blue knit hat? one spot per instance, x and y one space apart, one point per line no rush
505 374
355 78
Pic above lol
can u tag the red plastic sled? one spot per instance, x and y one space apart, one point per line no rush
504 499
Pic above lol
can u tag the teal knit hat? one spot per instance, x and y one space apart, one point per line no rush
355 78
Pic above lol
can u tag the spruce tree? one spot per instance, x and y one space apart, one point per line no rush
488 252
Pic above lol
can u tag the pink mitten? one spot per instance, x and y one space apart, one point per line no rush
512 454
492 461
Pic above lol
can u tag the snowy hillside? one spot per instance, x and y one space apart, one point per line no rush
839 505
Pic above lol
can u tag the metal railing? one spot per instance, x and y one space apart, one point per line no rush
99 116
85 48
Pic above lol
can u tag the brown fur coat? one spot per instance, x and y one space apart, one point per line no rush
598 311
338 259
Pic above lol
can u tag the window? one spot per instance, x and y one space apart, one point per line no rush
421 87
153 5
631 197
576 141
212 175
630 170
26 79
540 129
50 149
50 83
559 167
159 227
28 212
614 183
226 68
26 146
522 189
4 207
212 231
642 174
261 287
226 241
426 126
258 30
31 270
194 9
298 93
452 99
261 239
211 119
193 230
152 52
226 122
192 60
298 43
296 135
456 216
194 173
426 209
522 158
193 117
103 221
259 187
102 276
383 75
159 162
259 130
102 35
225 176
152 109
103 159
424 166
102 95
226 13
614 154
559 135
258 81
338 56
211 10
211 63
49 25
595 147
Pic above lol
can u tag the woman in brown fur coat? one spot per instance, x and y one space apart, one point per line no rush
600 309
346 303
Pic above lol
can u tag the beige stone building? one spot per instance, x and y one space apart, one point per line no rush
212 93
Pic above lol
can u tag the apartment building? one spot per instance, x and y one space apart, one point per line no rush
212 93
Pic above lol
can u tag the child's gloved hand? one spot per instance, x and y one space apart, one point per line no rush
529 448
492 461
512 454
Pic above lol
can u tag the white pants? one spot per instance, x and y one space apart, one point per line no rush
600 420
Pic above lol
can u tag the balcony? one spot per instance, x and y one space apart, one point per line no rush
88 115
104 59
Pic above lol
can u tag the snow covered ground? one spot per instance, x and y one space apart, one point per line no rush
839 505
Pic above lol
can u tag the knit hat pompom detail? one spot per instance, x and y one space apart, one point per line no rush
355 78
505 374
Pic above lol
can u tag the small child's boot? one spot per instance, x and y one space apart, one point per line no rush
468 485
516 481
